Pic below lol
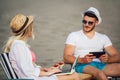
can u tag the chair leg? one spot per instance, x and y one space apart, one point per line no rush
115 78
109 79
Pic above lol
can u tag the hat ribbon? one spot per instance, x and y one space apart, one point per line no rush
22 26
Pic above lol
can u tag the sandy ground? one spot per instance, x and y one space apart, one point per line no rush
54 20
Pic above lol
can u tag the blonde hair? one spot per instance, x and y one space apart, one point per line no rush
15 25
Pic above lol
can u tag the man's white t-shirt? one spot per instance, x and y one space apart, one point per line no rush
84 45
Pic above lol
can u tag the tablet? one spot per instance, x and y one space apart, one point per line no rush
97 54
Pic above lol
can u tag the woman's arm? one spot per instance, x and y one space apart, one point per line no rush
48 71
23 60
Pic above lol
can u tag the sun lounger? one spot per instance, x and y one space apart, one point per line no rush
7 66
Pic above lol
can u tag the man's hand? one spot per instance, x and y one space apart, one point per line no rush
104 58
88 58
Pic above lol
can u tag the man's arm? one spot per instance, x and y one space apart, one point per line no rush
70 58
68 53
113 54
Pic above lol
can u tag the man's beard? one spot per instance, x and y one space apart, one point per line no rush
90 29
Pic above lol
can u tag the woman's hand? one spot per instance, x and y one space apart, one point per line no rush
49 71
53 70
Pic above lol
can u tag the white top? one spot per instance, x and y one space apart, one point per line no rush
21 60
84 45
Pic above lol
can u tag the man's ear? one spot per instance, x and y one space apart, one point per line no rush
96 22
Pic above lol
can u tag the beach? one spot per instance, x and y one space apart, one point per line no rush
54 20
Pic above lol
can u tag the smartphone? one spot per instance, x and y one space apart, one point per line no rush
97 54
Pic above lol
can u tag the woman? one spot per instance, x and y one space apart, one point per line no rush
22 58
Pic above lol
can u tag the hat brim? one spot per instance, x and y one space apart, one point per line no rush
30 21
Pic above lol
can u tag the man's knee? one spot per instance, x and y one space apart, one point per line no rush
112 69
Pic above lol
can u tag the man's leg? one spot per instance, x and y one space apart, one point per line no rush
97 74
112 69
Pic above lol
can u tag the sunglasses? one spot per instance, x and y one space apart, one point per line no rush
89 22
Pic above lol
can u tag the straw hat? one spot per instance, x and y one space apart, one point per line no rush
19 23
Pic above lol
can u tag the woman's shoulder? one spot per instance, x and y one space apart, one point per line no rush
18 42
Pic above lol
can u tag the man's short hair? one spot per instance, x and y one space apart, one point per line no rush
90 14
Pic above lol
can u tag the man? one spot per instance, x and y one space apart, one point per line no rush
87 40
